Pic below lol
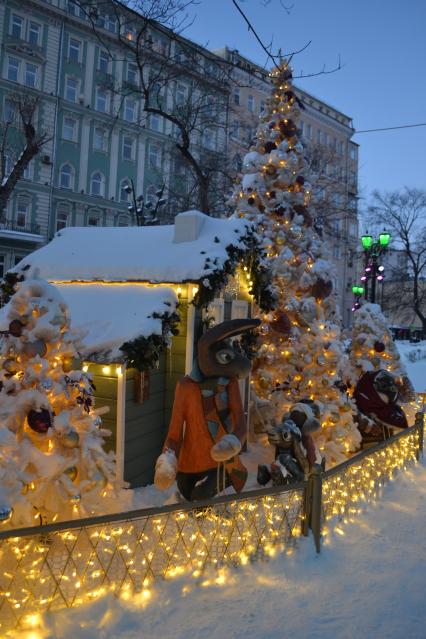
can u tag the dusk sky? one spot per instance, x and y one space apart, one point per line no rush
382 46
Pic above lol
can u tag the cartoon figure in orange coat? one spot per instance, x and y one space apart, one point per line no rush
207 428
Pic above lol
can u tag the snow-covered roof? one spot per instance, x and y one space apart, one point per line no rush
413 357
173 253
110 314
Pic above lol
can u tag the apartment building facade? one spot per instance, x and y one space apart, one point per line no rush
330 151
100 139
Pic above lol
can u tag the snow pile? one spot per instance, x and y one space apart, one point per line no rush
148 254
368 581
413 357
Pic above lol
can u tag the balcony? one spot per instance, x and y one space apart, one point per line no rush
28 233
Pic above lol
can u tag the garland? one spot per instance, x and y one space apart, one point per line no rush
251 255
144 353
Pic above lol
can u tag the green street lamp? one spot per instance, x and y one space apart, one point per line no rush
367 242
384 239
358 290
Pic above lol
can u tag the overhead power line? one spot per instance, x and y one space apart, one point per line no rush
392 128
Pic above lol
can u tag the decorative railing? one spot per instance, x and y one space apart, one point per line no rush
26 228
70 563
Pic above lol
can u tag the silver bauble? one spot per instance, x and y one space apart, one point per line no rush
70 439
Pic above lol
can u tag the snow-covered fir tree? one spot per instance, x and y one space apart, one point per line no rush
372 348
301 353
52 462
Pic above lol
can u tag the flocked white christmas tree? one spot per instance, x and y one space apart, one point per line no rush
52 462
301 353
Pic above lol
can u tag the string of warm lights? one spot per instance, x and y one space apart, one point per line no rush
67 568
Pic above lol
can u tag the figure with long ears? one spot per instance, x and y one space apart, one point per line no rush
208 429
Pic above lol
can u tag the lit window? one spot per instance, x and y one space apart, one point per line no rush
127 148
129 109
99 139
22 211
101 100
132 73
154 156
17 26
66 177
74 50
250 103
103 61
68 129
71 89
13 69
130 34
97 184
31 74
34 30
62 215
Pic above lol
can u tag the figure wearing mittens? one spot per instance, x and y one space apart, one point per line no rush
208 427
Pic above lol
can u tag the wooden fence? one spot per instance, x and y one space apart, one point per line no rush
70 563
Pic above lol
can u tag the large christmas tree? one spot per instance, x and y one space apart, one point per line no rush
52 463
301 353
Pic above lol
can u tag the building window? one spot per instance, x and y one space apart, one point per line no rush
325 138
341 147
180 94
97 184
75 9
130 33
28 171
17 27
9 110
99 139
2 259
319 137
62 215
66 179
124 190
123 220
250 103
236 95
107 22
69 129
71 89
154 155
353 153
93 219
353 229
128 148
22 211
13 65
103 61
336 251
262 106
74 47
101 100
302 128
209 139
154 122
132 73
236 131
129 109
309 131
31 74
34 31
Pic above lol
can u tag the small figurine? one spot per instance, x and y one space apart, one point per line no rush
376 395
208 428
295 450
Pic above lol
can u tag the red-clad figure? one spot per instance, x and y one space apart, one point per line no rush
208 428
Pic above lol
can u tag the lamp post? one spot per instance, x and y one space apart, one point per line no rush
373 249
358 292
145 212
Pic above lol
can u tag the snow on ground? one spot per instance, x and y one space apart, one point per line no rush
413 357
368 583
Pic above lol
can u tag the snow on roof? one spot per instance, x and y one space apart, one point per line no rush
109 315
172 253
413 357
